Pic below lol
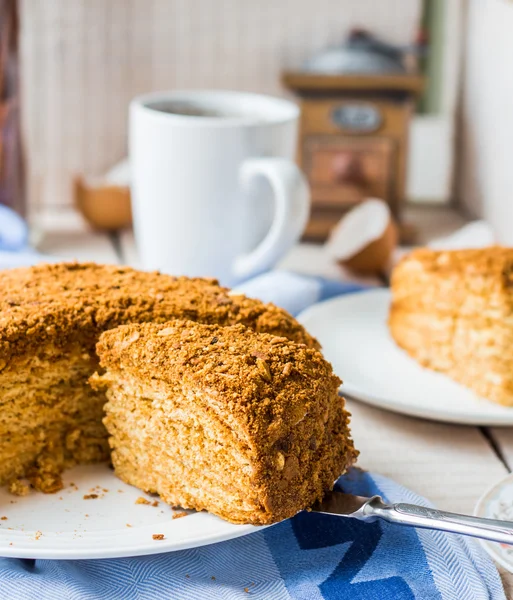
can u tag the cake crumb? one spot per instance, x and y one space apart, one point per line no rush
38 534
246 590
90 496
142 500
19 487
128 525
179 515
188 576
121 492
45 478
155 503
158 536
213 578
264 370
3 518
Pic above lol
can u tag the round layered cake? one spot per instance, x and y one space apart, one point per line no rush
51 317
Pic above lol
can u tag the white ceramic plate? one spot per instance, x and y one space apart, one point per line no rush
497 503
67 526
355 339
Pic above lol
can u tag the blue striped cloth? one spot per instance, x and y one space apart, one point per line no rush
309 557
295 292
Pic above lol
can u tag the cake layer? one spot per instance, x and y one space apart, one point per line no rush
49 417
248 426
459 336
452 311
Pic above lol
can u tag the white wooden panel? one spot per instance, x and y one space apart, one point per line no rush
486 176
431 163
431 159
84 60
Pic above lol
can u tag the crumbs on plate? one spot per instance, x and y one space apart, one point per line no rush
90 496
158 536
142 500
179 515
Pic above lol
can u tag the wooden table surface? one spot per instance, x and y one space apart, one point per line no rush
450 465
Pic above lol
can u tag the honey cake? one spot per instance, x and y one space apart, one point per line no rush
452 311
51 317
245 425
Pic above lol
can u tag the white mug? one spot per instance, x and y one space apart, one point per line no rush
201 164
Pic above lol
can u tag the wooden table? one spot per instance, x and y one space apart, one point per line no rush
449 464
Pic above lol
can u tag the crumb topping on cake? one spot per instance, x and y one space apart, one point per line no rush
258 377
55 301
489 262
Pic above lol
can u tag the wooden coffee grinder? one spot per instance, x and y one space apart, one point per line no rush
353 134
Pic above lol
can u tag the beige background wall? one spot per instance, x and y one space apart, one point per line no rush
486 144
84 60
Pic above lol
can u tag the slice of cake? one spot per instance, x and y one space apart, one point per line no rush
51 317
247 426
453 312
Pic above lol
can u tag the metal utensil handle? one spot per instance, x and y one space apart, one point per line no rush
430 518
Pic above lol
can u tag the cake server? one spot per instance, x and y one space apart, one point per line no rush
370 509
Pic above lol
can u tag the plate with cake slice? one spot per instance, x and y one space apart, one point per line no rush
436 345
143 413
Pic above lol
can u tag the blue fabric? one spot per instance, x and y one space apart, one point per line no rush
295 292
13 230
309 557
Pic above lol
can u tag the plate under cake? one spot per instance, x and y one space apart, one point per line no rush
247 426
51 317
452 311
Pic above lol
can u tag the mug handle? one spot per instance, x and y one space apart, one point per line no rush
292 208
